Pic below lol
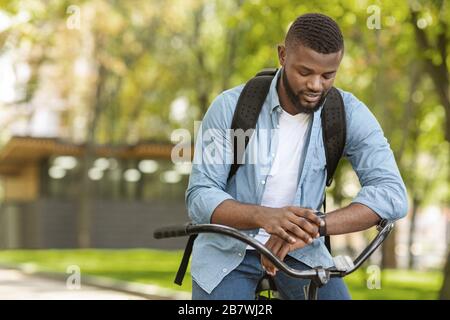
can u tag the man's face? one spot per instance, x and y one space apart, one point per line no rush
307 75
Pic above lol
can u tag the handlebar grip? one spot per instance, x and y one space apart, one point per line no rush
171 231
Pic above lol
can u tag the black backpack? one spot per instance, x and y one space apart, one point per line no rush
245 117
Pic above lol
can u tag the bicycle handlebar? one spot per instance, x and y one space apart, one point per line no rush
384 228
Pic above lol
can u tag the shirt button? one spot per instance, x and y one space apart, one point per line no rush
240 254
263 182
278 126
224 269
273 154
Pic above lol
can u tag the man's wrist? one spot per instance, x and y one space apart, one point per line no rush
258 216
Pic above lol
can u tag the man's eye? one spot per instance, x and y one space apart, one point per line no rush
304 74
328 76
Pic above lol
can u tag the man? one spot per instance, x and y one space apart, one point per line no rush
275 198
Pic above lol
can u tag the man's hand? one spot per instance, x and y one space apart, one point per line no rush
279 248
290 223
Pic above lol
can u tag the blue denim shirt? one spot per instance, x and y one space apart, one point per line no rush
382 188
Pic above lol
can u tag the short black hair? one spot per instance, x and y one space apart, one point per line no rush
316 31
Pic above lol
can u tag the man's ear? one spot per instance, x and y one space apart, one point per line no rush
281 54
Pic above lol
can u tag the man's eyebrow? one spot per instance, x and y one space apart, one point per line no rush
306 68
312 70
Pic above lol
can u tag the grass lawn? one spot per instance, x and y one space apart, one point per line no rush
159 267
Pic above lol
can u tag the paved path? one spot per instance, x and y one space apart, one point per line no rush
15 285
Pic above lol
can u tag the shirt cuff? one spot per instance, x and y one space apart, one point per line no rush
205 203
383 201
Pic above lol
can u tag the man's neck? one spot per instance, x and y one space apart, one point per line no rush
285 103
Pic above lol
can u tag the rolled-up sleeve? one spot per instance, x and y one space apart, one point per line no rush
382 187
211 163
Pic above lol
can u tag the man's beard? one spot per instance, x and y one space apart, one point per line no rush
295 98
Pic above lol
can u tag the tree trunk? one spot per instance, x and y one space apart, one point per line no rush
389 260
439 73
412 228
84 212
445 290
232 41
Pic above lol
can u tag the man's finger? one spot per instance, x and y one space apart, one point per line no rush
267 265
311 228
300 232
274 247
285 236
283 252
274 244
306 213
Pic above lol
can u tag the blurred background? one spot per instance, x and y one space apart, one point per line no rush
93 95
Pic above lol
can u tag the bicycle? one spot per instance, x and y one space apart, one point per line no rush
318 276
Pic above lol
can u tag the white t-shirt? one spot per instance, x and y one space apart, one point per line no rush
282 181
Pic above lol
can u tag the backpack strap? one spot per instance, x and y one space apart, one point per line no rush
334 131
185 260
247 111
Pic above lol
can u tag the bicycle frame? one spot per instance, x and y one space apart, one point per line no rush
319 276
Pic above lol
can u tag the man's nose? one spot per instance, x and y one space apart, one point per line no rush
314 84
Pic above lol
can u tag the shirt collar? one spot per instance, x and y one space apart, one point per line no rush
273 99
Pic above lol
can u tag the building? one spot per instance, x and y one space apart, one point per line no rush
133 190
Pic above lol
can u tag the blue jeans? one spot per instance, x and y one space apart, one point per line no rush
240 284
